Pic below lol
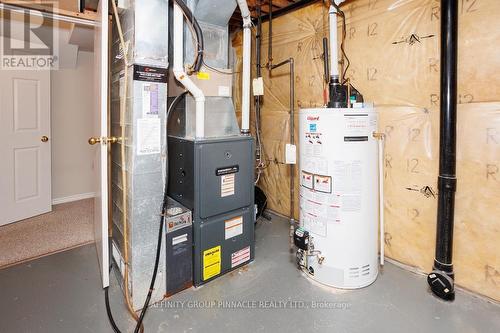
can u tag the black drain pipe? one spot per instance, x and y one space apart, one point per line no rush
441 279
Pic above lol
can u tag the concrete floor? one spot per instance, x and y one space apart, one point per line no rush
61 293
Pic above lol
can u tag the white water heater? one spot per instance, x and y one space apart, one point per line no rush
339 195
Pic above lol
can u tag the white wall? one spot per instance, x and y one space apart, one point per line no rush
72 125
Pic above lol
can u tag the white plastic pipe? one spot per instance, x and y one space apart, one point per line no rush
181 75
334 57
247 51
381 195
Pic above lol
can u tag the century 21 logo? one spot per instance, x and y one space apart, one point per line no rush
30 39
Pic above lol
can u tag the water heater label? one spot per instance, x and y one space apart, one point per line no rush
312 128
307 179
239 257
211 262
356 126
313 144
234 227
355 138
227 185
323 183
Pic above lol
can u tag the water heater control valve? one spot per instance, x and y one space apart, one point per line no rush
301 239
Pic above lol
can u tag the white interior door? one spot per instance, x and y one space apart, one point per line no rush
101 131
25 181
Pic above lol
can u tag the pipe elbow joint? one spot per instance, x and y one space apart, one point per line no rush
247 22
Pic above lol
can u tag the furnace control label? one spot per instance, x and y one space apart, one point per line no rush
239 257
211 262
227 185
234 227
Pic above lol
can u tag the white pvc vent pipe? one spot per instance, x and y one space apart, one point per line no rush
247 51
334 57
182 76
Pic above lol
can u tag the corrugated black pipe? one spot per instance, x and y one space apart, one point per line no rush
441 279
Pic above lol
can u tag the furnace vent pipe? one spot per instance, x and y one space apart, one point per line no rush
441 279
247 51
182 76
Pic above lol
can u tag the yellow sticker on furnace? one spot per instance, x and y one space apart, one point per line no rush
203 76
211 262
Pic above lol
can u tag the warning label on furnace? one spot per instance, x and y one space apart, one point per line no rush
239 257
211 262
234 227
227 185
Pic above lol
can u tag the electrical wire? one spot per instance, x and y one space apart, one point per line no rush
344 32
162 221
160 236
195 27
218 70
157 259
108 311
174 103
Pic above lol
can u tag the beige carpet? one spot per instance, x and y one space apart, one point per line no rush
68 225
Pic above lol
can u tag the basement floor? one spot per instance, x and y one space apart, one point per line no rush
61 293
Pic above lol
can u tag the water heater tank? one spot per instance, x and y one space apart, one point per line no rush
339 194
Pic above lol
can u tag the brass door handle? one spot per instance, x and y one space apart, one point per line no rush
44 138
112 139
93 140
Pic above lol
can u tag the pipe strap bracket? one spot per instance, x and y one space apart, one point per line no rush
447 183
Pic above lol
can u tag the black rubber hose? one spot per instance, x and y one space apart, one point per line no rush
199 34
158 249
155 270
108 311
163 212
153 279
